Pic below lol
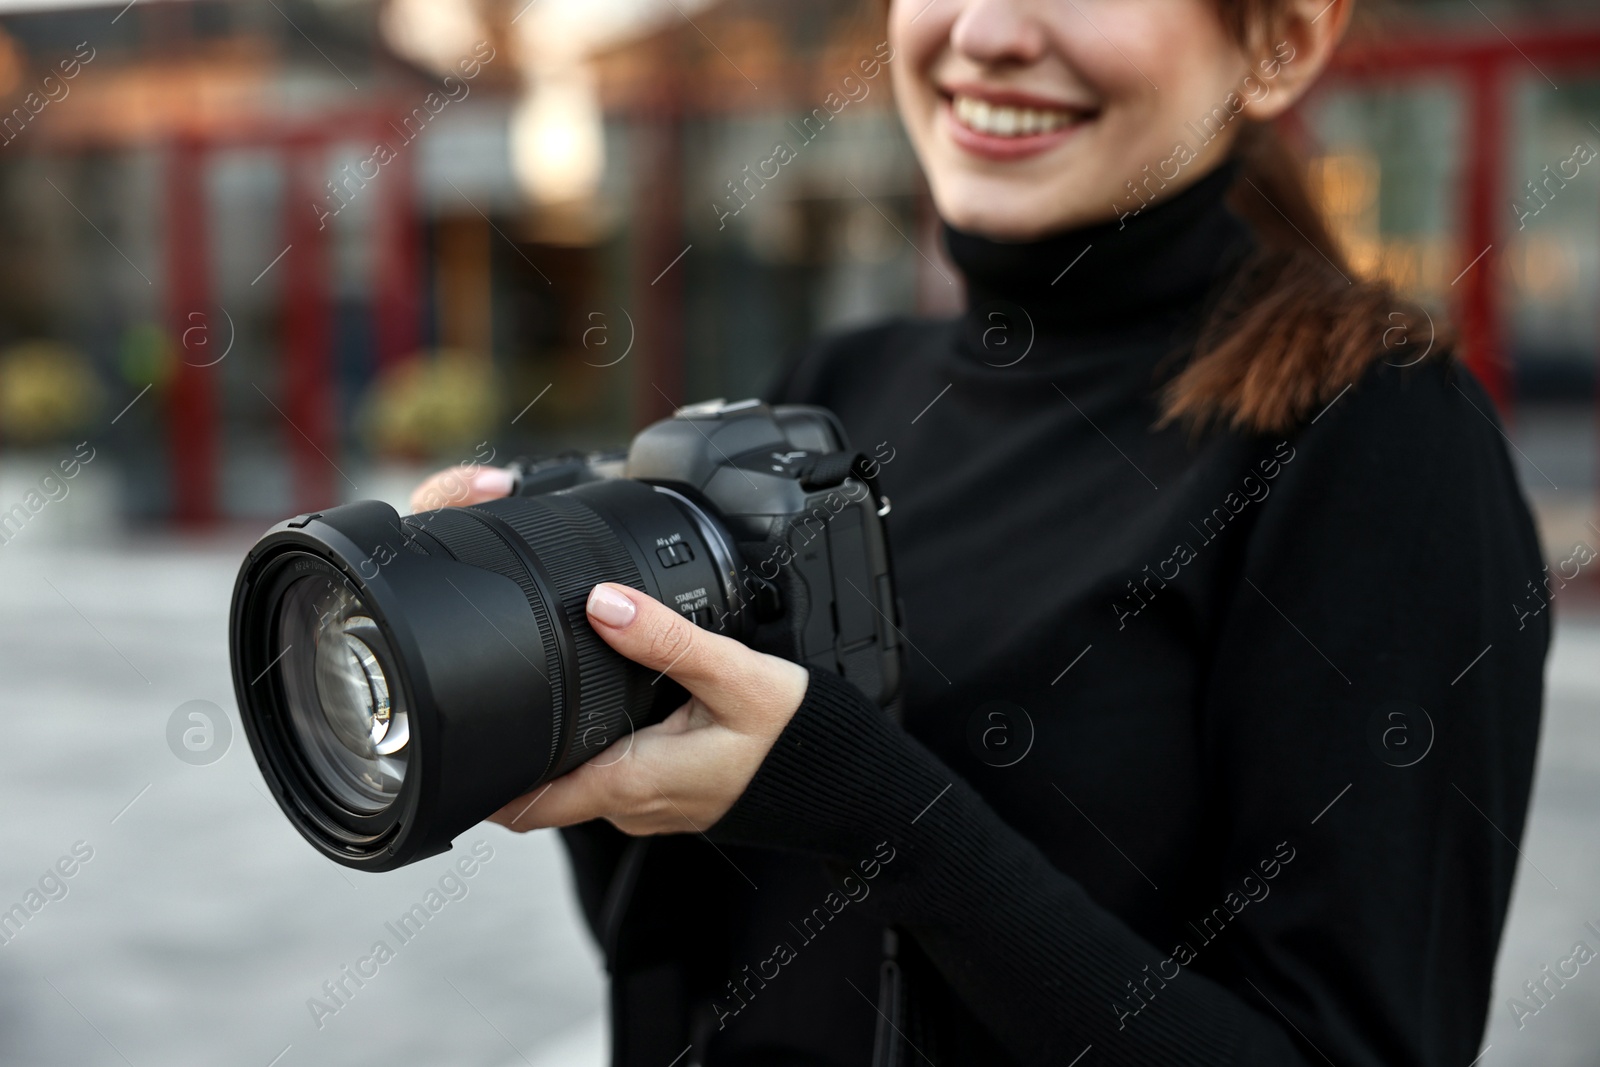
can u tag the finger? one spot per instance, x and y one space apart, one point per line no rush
576 797
458 486
516 815
722 672
612 784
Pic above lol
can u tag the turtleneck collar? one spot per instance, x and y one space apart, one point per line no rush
1162 261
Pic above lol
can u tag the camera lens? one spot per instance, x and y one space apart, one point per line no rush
402 679
352 725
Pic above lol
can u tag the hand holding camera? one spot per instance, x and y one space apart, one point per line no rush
685 772
619 637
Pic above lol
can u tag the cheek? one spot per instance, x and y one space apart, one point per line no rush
1158 66
1160 62
918 28
1119 49
917 46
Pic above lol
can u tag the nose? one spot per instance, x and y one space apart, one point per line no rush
998 32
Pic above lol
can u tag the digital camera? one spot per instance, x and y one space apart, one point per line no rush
401 679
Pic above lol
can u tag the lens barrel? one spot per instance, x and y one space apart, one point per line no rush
402 679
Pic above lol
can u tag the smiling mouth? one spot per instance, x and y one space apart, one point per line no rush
1006 120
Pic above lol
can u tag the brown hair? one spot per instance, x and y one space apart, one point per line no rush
1295 325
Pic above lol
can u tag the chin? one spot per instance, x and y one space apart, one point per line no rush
1003 212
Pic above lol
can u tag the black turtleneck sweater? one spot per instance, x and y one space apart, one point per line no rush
1215 748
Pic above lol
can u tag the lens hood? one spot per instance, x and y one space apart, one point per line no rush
474 676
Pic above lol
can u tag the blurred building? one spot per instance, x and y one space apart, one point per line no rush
258 249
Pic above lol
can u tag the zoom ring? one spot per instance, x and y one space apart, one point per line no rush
474 542
578 549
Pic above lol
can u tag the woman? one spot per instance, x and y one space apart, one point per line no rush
1219 730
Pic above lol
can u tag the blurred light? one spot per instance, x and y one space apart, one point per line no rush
11 63
572 28
47 391
1545 267
557 135
1347 184
557 140
435 34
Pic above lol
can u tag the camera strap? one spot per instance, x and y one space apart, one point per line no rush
886 1040
825 472
832 468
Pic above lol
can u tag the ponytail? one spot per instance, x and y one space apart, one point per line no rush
1296 324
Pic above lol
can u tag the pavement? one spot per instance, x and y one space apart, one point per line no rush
201 924
196 928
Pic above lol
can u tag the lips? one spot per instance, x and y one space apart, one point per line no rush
1003 125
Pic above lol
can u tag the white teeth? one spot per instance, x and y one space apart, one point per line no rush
1003 120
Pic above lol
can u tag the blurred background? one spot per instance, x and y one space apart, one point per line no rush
257 256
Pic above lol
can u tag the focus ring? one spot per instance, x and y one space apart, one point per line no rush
474 542
578 550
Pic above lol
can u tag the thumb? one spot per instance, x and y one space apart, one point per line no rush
725 674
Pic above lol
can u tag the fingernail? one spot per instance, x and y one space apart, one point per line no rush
496 480
611 607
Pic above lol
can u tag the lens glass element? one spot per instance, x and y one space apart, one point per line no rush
346 709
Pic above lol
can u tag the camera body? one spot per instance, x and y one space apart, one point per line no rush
812 581
400 679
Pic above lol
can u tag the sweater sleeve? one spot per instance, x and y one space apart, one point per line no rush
1389 560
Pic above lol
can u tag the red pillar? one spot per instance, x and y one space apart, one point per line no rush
1486 207
192 414
307 394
